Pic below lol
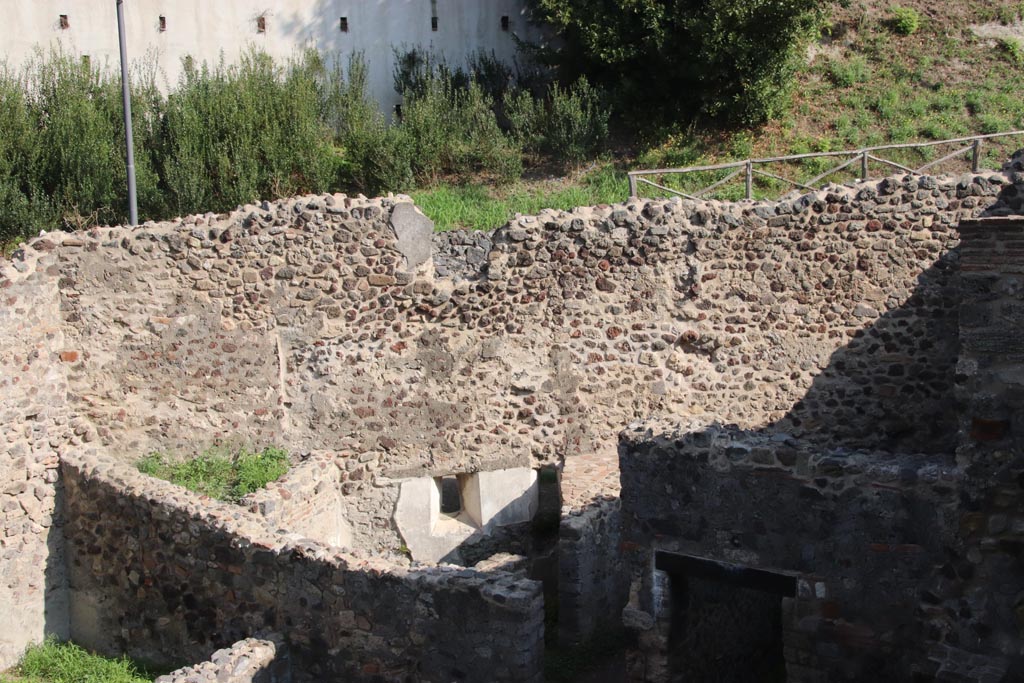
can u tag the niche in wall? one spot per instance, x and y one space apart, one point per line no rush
435 515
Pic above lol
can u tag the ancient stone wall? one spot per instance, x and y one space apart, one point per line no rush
307 501
991 451
304 322
901 565
862 534
593 581
33 426
323 325
247 661
165 575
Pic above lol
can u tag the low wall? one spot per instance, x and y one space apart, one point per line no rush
165 575
34 423
307 501
247 661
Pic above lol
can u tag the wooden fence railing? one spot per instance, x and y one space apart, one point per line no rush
749 168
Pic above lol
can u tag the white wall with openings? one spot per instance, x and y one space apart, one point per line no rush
168 30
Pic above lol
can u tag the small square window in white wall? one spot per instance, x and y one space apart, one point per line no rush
163 24
343 25
505 23
261 24
65 23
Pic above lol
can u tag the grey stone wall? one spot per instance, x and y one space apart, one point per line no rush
864 535
34 423
904 565
247 661
990 450
167 576
593 581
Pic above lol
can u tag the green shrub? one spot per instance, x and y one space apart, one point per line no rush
219 473
55 662
570 124
238 133
848 72
1012 49
905 20
727 60
527 119
577 125
454 131
374 157
17 147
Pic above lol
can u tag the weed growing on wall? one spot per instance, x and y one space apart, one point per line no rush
56 662
218 472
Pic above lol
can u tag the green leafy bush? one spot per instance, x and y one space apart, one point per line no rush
727 60
218 472
848 72
1012 49
577 122
570 124
905 20
238 133
527 119
374 157
454 131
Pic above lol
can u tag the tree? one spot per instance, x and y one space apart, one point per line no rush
728 60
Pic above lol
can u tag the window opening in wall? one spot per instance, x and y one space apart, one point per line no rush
163 24
451 495
398 112
505 23
726 620
261 24
343 24
64 23
433 23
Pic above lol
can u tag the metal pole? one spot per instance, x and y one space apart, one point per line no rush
976 156
126 96
750 179
864 165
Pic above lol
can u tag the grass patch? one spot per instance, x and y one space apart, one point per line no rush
219 472
56 662
478 206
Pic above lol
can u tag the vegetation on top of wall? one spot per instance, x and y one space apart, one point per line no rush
233 134
219 472
480 141
56 662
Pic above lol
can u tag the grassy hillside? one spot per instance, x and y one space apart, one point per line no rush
865 83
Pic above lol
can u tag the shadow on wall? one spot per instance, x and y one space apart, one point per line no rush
57 603
891 386
900 573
